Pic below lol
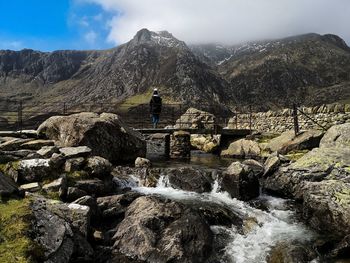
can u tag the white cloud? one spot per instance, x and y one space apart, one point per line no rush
90 37
229 21
84 21
11 44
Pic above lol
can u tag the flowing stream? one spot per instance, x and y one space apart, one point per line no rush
277 224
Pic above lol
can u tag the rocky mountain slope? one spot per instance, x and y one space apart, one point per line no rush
149 60
310 69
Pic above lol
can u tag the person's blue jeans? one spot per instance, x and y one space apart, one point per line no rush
155 120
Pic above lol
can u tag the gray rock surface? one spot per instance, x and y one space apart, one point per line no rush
155 230
32 187
98 167
337 136
105 134
288 142
321 179
48 151
37 144
8 188
196 119
29 171
142 163
240 181
242 149
52 233
188 179
75 152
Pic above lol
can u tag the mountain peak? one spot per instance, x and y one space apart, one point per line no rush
162 38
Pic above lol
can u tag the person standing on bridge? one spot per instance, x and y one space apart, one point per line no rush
155 107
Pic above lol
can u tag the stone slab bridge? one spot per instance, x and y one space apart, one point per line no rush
175 142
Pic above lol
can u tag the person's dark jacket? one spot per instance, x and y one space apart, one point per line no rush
155 105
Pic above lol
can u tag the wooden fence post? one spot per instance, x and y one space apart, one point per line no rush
295 119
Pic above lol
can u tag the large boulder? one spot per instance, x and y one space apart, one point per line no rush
327 206
105 134
157 230
314 166
206 143
242 149
52 233
188 179
291 252
337 136
287 141
321 179
196 119
114 206
78 216
29 171
240 181
98 167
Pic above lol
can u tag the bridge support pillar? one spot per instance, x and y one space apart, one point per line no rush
158 145
180 146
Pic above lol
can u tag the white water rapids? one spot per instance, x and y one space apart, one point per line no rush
274 226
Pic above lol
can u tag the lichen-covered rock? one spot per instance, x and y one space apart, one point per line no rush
29 171
271 164
156 230
326 206
52 233
321 179
242 149
314 166
98 167
240 181
142 163
287 141
337 136
206 143
105 134
78 216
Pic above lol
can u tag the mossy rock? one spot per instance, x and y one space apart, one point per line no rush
15 223
296 155
77 176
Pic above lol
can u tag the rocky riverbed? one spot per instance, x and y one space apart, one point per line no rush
80 190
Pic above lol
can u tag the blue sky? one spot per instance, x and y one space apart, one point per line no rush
52 25
99 24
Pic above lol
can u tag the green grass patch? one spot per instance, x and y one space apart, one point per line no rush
15 245
135 100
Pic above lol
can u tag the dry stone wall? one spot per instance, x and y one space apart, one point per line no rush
281 121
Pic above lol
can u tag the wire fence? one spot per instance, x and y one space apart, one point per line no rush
18 115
